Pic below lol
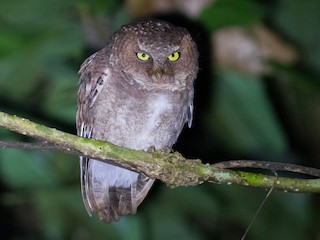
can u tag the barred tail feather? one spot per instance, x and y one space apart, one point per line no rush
112 191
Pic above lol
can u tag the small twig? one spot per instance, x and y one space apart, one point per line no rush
28 146
43 145
273 166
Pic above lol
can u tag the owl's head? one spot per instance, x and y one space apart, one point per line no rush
155 53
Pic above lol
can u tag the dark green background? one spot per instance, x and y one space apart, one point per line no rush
272 117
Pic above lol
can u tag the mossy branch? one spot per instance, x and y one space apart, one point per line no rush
171 168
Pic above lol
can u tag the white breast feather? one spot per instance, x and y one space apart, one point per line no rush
157 107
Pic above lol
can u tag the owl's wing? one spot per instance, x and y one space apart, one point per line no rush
94 74
190 108
109 190
190 115
84 164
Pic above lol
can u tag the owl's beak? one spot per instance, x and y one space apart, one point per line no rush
158 73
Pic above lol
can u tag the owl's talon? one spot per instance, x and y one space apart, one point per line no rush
151 149
166 150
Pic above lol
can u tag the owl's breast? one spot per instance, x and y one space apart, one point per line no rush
158 124
155 120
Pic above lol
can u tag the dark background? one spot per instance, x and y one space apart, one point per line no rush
257 97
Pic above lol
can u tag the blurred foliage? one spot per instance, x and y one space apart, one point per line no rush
247 115
273 117
232 13
298 21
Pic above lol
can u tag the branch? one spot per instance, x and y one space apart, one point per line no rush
171 168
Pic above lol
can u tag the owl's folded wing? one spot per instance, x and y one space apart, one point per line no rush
109 190
94 72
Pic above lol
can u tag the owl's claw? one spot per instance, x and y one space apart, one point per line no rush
151 149
166 150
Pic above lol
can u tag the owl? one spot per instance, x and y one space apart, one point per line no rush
136 92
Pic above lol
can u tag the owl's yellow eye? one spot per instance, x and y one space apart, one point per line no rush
143 56
174 56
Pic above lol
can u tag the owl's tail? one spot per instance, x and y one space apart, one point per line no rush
111 191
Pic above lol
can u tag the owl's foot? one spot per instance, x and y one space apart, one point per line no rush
152 149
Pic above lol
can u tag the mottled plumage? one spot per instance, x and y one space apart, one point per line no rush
137 92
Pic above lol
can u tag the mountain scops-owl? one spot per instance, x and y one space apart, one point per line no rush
137 92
